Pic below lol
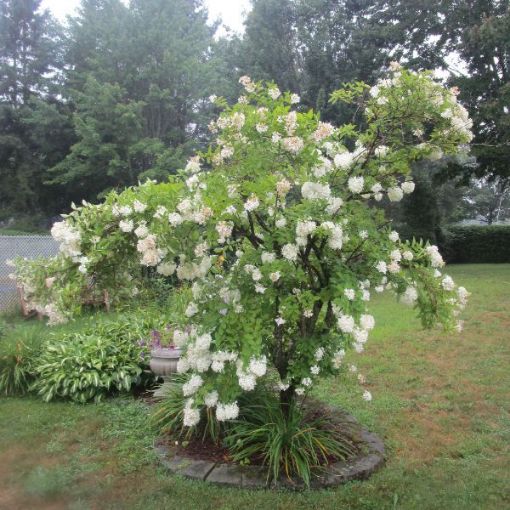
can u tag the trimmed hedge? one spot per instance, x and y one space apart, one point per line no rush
477 244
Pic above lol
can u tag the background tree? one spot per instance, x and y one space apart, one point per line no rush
153 64
269 47
336 46
470 40
28 51
484 44
488 201
311 47
34 129
139 78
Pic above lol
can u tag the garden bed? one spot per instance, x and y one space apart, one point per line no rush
208 462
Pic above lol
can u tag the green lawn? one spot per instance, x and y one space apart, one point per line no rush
441 403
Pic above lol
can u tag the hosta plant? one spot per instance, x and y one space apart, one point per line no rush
103 360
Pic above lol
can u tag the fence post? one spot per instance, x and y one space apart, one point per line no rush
23 302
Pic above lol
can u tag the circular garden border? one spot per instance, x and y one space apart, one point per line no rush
359 467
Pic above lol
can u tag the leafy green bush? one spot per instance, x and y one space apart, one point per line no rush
478 244
19 350
104 359
98 261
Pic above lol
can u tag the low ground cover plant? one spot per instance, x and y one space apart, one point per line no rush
88 367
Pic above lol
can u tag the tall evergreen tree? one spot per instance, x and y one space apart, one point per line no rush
336 46
311 46
152 67
269 48
484 45
28 51
34 128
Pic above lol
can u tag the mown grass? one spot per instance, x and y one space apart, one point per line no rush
441 403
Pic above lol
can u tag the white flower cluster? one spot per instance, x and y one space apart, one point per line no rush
126 225
290 252
344 160
315 191
293 144
121 210
224 229
359 332
191 414
69 239
198 356
138 206
190 210
324 130
226 412
336 235
193 165
303 230
142 231
355 184
436 260
410 296
193 270
192 385
247 377
151 255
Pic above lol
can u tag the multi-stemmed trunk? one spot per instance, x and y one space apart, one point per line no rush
287 398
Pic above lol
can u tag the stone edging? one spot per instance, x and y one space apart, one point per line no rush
357 468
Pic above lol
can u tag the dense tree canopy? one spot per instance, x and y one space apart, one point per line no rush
121 92
34 128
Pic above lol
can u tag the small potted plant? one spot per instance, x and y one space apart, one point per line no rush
164 354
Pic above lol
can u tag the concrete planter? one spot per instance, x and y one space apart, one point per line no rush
164 361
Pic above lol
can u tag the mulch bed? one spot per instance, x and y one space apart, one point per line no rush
198 450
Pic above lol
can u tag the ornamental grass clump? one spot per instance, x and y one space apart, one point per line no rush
291 442
19 353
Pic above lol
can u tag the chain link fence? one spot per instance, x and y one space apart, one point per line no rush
29 246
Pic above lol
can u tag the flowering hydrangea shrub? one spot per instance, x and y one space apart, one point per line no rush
101 247
278 232
47 285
